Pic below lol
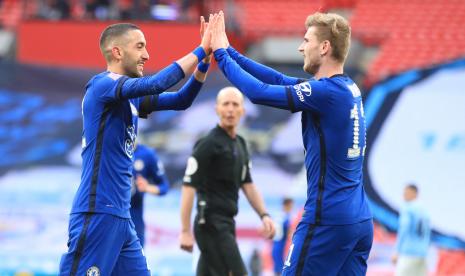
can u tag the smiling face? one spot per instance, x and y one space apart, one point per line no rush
133 53
229 107
312 51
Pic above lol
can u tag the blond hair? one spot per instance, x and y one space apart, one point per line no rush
335 29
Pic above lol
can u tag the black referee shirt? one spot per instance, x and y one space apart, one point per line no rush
218 167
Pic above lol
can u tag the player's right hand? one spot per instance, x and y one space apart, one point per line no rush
186 241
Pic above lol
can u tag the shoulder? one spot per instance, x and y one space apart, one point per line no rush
207 143
241 140
104 80
343 84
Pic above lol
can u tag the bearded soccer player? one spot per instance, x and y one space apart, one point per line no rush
102 238
335 234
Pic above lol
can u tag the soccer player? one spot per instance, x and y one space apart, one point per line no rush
335 234
280 239
102 238
218 168
413 236
148 177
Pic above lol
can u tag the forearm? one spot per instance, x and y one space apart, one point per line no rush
163 185
190 61
257 91
260 71
254 198
163 80
187 200
152 189
178 100
151 85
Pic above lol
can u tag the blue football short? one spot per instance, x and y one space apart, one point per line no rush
329 249
102 244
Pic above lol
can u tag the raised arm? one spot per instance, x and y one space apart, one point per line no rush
182 99
257 91
169 76
258 70
264 73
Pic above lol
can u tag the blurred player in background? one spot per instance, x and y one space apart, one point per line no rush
149 177
102 238
413 236
335 234
283 224
218 168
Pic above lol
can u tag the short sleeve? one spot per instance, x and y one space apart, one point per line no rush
309 96
198 163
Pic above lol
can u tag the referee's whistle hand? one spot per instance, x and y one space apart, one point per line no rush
186 241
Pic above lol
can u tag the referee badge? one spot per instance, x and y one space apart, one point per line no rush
192 166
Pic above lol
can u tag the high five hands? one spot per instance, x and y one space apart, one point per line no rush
213 33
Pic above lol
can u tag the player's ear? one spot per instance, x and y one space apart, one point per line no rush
117 52
324 47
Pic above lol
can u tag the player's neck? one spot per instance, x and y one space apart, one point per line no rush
231 131
329 69
114 68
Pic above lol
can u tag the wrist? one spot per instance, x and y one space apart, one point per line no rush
200 53
263 215
203 67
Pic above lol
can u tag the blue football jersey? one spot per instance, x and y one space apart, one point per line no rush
333 133
108 137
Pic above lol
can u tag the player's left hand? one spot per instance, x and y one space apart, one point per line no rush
269 229
141 183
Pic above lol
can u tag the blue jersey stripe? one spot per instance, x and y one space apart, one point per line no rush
98 156
321 180
304 251
80 245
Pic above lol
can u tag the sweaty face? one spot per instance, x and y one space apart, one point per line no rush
310 49
134 54
230 108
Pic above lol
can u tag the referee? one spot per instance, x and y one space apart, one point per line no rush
218 167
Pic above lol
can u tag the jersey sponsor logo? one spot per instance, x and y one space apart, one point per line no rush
130 141
93 271
139 165
302 89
